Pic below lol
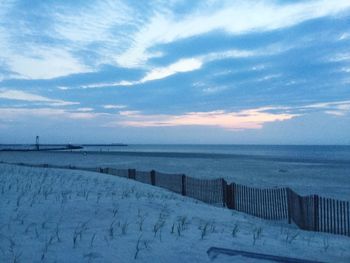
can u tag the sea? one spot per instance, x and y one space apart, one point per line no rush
301 153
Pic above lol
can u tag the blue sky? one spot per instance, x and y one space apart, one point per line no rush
269 72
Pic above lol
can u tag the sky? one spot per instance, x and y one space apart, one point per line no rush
201 71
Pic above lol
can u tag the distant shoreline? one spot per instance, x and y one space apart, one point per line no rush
189 155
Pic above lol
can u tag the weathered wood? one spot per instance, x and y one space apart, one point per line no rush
250 201
316 226
132 174
224 193
183 182
256 202
153 177
323 214
329 226
333 216
342 217
338 218
348 217
289 206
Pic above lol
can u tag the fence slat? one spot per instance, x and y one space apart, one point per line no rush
348 218
342 217
256 201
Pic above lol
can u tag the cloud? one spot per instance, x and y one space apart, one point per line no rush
129 113
85 109
336 113
30 97
123 83
345 69
81 38
245 119
339 57
253 118
183 65
233 17
46 63
91 22
269 77
211 89
52 113
25 56
113 106
188 65
337 108
344 36
330 104
62 44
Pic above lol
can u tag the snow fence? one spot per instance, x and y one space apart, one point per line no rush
312 212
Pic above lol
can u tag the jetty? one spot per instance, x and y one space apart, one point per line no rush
38 147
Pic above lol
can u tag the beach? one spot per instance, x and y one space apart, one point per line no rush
57 215
322 170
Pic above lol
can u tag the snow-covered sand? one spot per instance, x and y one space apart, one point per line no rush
52 215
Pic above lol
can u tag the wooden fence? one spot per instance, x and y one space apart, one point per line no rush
264 203
312 212
333 216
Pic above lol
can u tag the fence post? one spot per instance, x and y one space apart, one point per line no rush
224 193
132 174
348 218
230 198
153 177
183 181
316 227
233 195
289 205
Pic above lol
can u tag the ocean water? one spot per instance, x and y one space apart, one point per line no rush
303 153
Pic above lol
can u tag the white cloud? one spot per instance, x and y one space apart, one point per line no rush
245 119
336 113
30 97
129 113
85 109
63 88
91 21
211 89
345 69
234 17
338 108
118 33
29 59
344 36
339 57
269 77
344 106
114 32
52 113
45 64
325 105
113 106
183 65
123 83
253 118
73 29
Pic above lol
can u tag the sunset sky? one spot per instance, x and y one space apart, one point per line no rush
255 72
